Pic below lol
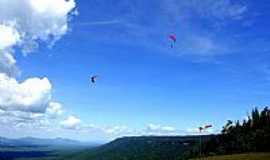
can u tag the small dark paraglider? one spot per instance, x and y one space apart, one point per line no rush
94 78
173 38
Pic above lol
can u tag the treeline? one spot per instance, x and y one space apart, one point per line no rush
249 135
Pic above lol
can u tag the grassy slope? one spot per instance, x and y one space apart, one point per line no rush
251 156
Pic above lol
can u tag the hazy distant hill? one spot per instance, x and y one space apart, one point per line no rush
140 148
37 148
30 142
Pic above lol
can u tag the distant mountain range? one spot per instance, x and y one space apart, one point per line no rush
146 148
31 142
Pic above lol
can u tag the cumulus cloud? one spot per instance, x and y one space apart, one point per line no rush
112 131
117 130
25 122
54 109
9 36
32 95
71 122
15 118
7 63
159 129
122 130
25 22
36 19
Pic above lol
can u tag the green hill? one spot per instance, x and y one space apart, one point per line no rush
251 156
141 148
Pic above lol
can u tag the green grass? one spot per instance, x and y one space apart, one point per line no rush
250 156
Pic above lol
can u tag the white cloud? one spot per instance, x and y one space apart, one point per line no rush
71 122
110 132
37 19
203 24
29 122
32 95
8 36
12 118
159 129
2 112
202 46
122 130
7 63
54 109
52 7
100 23
24 22
220 9
116 130
26 115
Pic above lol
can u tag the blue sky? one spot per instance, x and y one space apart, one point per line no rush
217 70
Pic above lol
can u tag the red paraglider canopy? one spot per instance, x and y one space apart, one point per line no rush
172 37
